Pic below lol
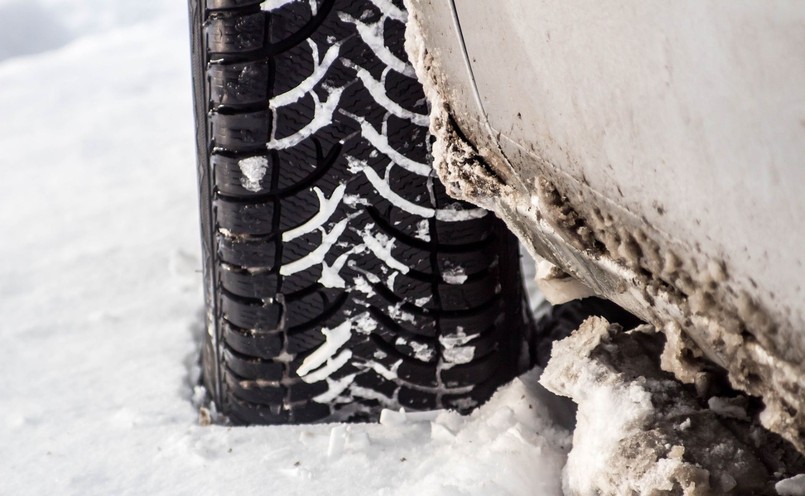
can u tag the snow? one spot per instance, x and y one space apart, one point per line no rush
629 438
793 486
100 294
390 10
380 245
372 35
331 366
334 339
253 170
454 349
381 142
315 257
396 312
394 418
322 117
321 66
558 287
378 91
390 280
456 213
598 394
330 274
423 230
382 187
327 207
454 275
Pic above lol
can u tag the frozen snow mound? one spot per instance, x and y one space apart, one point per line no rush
640 431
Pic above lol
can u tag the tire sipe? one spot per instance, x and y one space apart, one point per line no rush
339 277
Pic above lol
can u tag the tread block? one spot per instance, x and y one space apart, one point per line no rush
475 321
412 348
373 381
309 412
243 412
480 392
235 34
303 391
471 373
255 391
252 368
306 309
465 232
468 263
417 400
397 321
244 83
301 280
417 372
412 286
258 285
257 253
303 342
248 315
231 181
472 293
255 344
231 4
245 218
240 132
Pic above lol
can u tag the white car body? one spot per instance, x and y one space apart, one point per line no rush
653 150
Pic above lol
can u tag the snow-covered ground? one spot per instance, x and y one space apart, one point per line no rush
100 296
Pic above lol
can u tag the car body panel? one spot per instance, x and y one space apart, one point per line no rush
445 42
656 152
688 115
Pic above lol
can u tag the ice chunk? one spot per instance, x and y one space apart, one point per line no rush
794 486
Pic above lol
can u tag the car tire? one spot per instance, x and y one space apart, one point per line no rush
340 278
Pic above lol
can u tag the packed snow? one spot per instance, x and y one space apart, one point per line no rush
100 294
793 486
254 169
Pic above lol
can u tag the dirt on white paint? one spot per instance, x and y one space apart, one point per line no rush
674 434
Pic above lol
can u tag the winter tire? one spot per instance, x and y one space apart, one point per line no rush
339 277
